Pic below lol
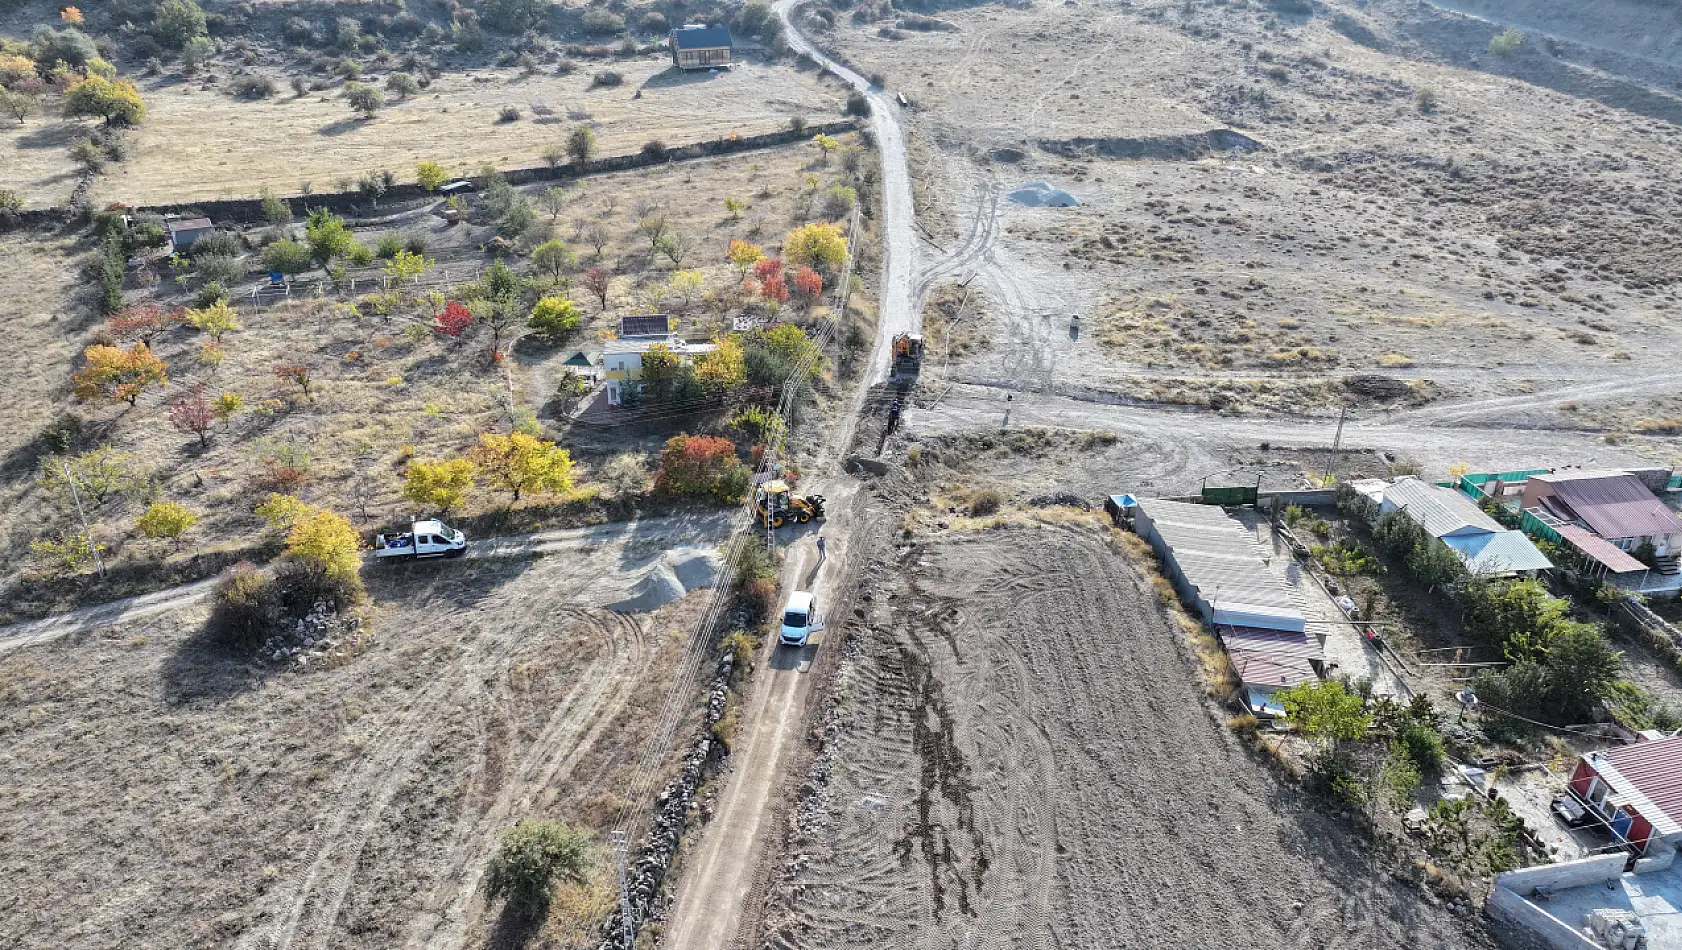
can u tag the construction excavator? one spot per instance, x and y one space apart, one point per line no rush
776 505
908 354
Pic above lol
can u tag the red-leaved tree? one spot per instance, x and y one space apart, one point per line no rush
141 322
701 466
774 289
455 319
768 268
808 285
596 281
298 376
193 413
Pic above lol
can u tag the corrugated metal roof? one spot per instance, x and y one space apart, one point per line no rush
189 224
1259 640
1219 559
1271 670
1615 505
1650 770
1498 553
701 37
1439 511
1600 549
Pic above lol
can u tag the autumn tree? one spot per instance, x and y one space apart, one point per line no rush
325 543
454 320
96 476
725 367
18 105
554 318
141 322
821 247
744 255
808 285
660 368
404 268
519 463
295 374
113 373
598 281
214 320
194 413
115 101
166 521
701 466
430 175
653 226
443 484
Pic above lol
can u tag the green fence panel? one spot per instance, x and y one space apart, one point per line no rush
1533 526
1240 495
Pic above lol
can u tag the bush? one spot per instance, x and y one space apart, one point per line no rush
1423 746
600 21
242 609
287 257
210 294
1507 43
985 502
607 79
858 104
535 856
389 246
216 243
252 87
218 268
656 150
175 23
508 114
1426 100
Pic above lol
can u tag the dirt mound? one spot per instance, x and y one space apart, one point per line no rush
1166 147
671 575
1039 194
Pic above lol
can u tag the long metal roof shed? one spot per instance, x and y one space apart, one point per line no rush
1217 565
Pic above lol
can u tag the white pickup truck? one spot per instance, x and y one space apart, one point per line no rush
423 539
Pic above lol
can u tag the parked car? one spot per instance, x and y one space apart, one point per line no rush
423 539
800 619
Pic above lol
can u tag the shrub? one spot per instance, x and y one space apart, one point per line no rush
210 295
388 247
216 242
985 502
166 520
252 87
700 466
656 150
1507 42
175 23
555 318
508 114
287 257
401 85
858 104
218 268
533 857
1426 100
607 79
1423 745
581 144
242 609
600 21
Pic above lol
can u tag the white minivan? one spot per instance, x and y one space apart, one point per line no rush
800 619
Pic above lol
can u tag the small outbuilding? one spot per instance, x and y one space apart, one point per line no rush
700 47
1635 791
185 232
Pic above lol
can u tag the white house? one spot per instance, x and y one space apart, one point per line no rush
622 360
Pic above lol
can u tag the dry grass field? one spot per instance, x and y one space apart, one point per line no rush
1413 206
200 142
35 159
155 793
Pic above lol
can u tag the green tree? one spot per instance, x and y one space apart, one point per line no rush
177 22
402 85
287 257
275 210
533 858
18 105
442 484
214 320
116 102
660 368
554 258
98 475
364 99
555 318
1325 712
327 236
519 463
404 268
166 520
581 144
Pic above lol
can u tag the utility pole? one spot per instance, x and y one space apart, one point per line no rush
1337 441
627 933
87 532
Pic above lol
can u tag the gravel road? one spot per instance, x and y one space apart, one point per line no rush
1023 761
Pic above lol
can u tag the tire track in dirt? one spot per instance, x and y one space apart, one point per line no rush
549 760
1108 807
312 902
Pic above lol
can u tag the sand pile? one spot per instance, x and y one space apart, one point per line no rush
669 577
1039 194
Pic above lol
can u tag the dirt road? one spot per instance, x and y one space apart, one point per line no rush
1022 767
619 538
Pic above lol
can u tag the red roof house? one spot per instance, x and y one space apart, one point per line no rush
1636 790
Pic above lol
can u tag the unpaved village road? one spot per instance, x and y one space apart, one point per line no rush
720 872
614 539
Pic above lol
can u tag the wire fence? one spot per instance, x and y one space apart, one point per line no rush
324 288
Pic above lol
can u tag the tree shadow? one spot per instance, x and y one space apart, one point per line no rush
513 929
342 126
203 671
55 135
672 76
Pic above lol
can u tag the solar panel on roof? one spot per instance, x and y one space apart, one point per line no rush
648 324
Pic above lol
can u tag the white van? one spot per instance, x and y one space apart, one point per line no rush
800 619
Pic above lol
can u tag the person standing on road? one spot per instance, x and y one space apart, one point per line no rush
821 554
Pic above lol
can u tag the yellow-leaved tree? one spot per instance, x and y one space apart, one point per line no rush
821 247
725 367
325 542
518 463
443 484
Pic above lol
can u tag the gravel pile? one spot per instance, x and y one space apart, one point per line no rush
1039 194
